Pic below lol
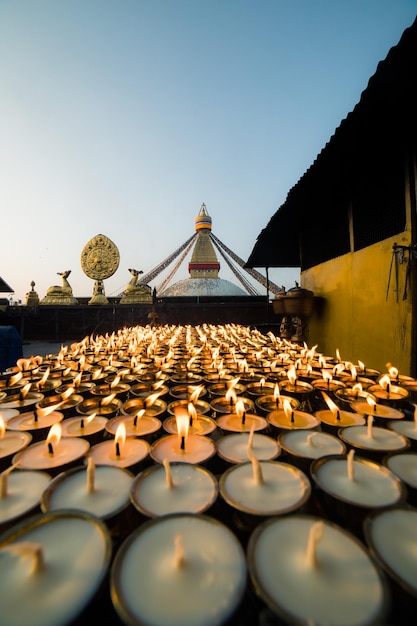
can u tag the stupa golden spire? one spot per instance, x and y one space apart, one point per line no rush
204 263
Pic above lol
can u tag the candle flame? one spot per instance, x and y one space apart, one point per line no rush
182 420
196 393
192 411
54 435
24 391
231 396
115 382
108 399
276 392
2 427
326 375
286 405
332 405
393 371
120 436
150 400
371 401
385 382
357 388
240 408
292 375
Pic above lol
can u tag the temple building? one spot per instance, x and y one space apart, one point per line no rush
350 224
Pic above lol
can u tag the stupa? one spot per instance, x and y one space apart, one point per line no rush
204 267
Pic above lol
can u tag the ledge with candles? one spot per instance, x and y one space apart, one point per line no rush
291 455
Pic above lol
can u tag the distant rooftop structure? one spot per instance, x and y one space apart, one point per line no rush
4 287
204 267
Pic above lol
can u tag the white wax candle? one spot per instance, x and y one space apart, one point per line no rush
38 457
132 451
404 465
284 488
392 534
372 486
69 490
23 492
197 449
310 445
193 489
340 586
375 438
407 428
206 589
234 447
76 551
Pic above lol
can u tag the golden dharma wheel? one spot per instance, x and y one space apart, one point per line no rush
100 258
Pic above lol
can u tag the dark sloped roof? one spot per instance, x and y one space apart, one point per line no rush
4 287
384 119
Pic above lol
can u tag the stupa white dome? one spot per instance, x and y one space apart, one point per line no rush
203 287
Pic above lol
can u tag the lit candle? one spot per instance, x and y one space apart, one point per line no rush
103 490
20 492
183 447
21 400
335 418
307 571
264 488
36 422
88 426
388 392
202 583
298 389
173 488
55 565
55 452
371 407
139 425
288 418
240 420
199 424
122 451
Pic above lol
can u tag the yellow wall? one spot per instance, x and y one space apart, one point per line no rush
354 314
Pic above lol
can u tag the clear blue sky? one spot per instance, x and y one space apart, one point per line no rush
122 117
